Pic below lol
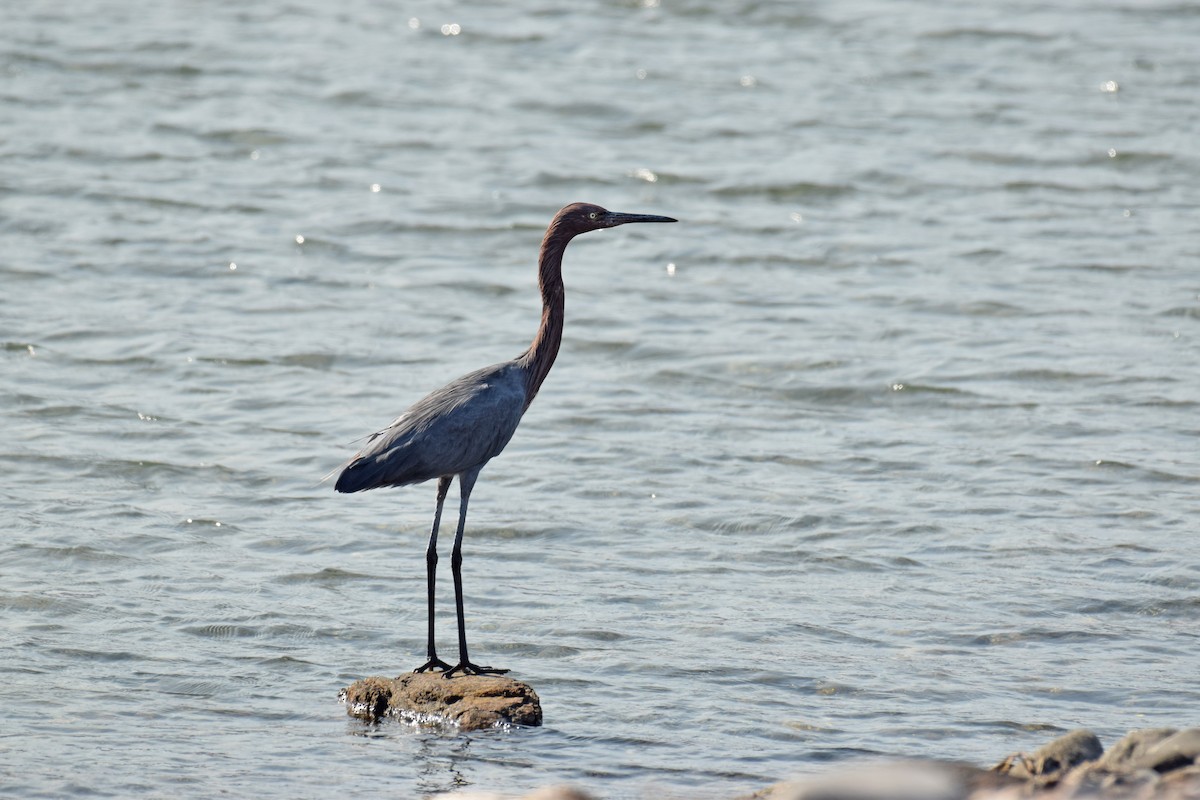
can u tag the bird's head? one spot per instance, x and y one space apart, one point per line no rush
583 217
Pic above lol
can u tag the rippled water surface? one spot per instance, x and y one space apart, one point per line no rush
888 448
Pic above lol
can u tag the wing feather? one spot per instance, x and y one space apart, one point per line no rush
460 426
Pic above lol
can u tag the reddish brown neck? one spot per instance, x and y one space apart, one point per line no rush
539 358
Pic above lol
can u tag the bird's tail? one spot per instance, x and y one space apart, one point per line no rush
354 477
370 437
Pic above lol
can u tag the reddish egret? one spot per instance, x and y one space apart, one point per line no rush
462 426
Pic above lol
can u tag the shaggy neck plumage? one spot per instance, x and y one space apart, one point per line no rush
539 358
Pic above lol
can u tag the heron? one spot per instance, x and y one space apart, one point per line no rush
456 430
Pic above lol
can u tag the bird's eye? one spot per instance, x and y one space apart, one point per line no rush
593 215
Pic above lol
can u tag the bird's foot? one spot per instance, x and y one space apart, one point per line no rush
434 663
467 668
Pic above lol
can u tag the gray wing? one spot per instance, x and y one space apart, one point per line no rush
462 425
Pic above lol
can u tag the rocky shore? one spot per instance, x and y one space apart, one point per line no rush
1151 764
1157 764
1154 764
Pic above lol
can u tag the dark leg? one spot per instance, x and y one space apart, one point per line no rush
431 560
466 482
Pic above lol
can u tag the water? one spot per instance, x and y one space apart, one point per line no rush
889 448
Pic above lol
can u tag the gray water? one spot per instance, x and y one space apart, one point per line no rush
888 448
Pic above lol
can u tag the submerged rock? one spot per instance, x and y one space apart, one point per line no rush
468 702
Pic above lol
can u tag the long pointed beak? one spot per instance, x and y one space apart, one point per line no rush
614 218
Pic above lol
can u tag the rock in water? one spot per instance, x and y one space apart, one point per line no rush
1066 752
468 702
1124 754
1153 764
1177 751
1052 761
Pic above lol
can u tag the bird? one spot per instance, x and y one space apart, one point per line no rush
456 430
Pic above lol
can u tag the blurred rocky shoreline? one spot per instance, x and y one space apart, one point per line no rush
1156 764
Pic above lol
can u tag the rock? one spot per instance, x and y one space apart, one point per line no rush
1090 780
1067 751
1052 761
903 780
558 793
1182 783
545 793
468 702
1174 752
1017 765
1135 768
1152 764
1125 753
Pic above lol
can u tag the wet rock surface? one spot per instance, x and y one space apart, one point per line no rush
468 702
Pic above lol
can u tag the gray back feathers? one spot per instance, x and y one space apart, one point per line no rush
456 428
